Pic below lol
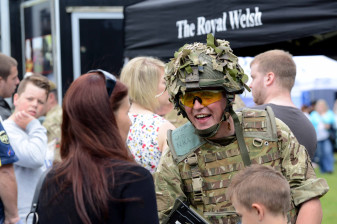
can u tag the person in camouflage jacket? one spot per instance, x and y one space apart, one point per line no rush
205 153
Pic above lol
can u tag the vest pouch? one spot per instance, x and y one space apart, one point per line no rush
226 217
224 213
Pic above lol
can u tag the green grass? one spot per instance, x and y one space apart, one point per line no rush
329 201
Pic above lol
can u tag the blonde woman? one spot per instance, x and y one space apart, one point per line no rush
144 76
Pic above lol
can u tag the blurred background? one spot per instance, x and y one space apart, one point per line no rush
63 39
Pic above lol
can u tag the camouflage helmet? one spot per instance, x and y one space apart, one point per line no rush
204 66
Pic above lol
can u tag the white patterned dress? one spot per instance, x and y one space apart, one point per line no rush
142 140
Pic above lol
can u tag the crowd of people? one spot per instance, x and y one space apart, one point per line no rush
121 154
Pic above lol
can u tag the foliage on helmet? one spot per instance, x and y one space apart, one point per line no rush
204 66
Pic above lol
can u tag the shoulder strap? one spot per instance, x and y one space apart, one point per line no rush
36 197
183 141
272 120
270 134
239 136
259 123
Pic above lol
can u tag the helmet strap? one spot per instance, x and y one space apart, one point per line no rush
209 132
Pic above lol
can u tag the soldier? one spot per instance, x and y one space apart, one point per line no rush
206 152
53 120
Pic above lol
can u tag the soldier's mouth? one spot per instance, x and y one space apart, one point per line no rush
202 116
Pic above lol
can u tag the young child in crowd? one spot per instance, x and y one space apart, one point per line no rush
260 194
28 138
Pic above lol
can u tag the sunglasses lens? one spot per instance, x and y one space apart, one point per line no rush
187 99
207 97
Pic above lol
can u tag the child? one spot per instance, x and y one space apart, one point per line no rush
261 195
28 137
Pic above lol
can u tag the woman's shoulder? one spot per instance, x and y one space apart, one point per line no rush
130 176
147 116
137 170
131 170
331 114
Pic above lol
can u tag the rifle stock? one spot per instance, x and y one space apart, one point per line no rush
181 213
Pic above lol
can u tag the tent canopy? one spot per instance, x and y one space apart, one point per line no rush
160 27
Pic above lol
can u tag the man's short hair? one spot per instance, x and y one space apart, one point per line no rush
141 75
6 64
53 89
261 184
280 63
37 80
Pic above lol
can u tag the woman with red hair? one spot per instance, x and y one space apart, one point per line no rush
97 180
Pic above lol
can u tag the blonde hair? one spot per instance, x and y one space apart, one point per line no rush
142 75
280 63
321 104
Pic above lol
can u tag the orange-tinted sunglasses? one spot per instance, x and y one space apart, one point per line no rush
207 97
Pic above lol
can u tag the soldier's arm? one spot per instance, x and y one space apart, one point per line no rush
310 212
305 187
168 184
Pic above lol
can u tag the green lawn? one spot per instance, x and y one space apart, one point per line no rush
329 201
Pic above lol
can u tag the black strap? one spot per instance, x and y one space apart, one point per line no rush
36 197
239 135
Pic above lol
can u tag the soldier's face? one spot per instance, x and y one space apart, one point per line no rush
257 85
203 117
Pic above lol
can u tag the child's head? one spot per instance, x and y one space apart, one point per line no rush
32 95
259 187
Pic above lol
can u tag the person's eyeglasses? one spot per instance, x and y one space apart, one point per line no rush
110 79
205 98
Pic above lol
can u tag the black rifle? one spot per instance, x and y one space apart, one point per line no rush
181 213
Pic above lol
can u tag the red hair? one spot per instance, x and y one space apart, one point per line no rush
90 143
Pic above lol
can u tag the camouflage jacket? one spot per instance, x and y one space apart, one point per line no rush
204 173
53 122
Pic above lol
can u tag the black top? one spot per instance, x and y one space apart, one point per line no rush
135 182
298 123
5 109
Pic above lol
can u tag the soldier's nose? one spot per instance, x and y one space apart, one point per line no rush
197 102
197 99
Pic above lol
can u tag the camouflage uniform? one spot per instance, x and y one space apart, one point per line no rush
52 123
210 167
199 169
